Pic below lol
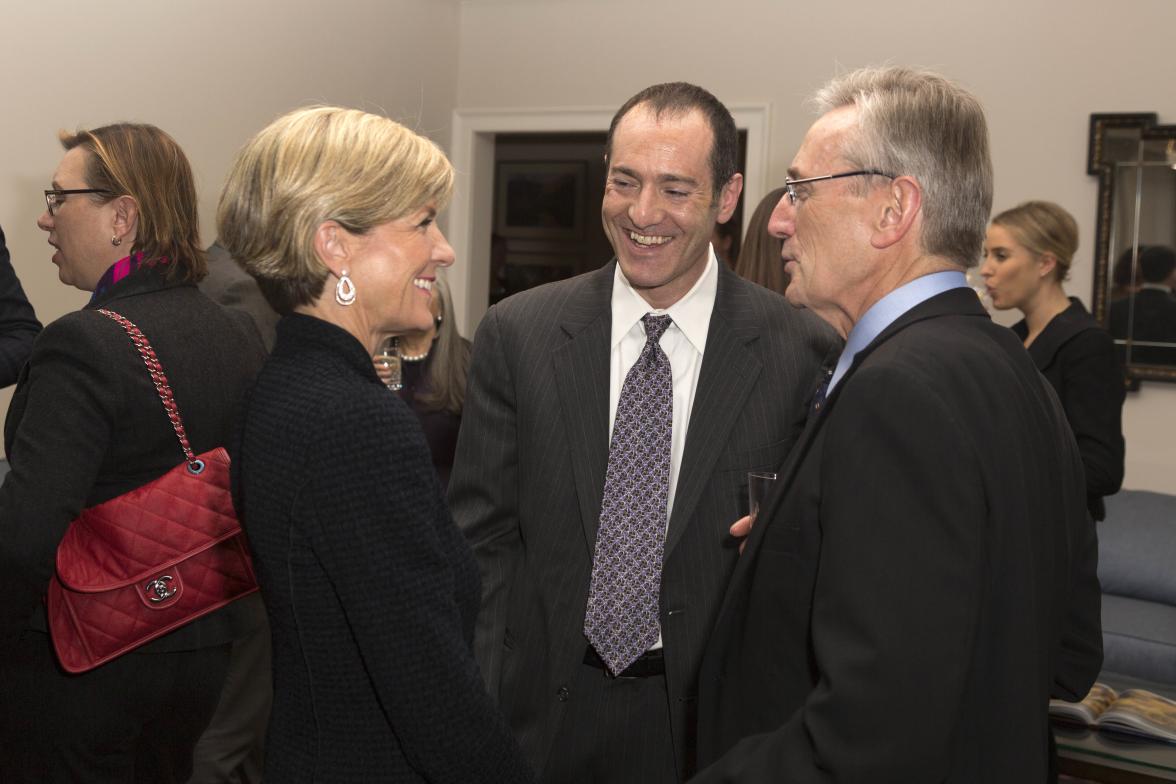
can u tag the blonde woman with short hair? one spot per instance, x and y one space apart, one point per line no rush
371 590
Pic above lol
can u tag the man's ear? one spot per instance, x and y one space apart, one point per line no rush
729 197
126 218
898 210
333 246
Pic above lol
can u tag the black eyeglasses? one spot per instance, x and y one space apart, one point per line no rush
790 189
55 196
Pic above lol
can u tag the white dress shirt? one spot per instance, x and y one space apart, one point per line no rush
684 343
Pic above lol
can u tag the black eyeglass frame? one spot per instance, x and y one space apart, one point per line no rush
790 191
51 203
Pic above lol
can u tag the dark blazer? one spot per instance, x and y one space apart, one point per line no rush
229 285
86 425
18 322
371 590
1077 357
922 581
529 476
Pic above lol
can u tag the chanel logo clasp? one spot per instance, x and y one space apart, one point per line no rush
158 590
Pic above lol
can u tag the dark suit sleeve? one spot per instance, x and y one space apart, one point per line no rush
483 488
67 402
1092 395
895 600
387 549
18 322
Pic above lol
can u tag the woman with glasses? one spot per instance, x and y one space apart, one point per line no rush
1027 256
86 425
371 589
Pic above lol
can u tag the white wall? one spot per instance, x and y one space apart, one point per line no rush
1041 68
211 73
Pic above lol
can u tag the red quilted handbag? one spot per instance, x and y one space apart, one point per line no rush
151 560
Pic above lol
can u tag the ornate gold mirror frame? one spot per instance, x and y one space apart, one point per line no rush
1134 159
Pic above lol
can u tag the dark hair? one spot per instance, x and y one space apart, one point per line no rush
759 260
679 98
143 162
1123 275
451 360
1156 263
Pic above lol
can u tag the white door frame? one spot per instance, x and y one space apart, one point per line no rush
472 152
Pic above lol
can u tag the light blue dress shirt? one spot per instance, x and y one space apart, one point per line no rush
886 311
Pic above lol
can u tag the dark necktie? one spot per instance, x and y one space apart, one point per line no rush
821 393
622 617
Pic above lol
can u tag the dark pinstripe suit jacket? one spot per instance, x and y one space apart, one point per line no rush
529 476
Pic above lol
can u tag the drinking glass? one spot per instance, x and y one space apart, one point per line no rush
387 361
759 484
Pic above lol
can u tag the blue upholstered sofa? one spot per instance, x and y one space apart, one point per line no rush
1137 569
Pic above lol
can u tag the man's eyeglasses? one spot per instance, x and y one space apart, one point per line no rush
790 185
55 196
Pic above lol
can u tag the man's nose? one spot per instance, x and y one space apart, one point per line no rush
646 209
782 223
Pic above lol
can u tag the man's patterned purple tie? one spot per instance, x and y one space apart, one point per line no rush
622 617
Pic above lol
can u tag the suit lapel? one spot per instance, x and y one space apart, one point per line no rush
729 371
955 302
581 375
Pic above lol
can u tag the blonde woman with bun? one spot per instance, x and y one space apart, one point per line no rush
1027 256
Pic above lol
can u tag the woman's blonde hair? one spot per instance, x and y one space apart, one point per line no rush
1043 227
318 164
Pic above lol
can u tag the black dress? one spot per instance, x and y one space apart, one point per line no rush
371 590
1077 357
440 427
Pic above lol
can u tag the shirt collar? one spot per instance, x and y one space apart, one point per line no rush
691 313
886 311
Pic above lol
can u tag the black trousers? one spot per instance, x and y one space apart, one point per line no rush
135 719
231 750
614 731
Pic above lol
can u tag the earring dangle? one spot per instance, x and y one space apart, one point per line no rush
116 240
345 290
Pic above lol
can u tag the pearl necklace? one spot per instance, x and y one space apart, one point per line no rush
415 357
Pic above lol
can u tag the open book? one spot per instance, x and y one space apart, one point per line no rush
1135 711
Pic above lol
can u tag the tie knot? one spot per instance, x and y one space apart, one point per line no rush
655 326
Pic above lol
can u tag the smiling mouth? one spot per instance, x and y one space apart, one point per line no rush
424 284
648 240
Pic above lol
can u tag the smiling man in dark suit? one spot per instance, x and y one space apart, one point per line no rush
923 579
604 558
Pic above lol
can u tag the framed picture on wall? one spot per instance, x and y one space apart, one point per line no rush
522 271
540 200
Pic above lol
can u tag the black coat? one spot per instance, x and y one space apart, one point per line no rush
18 322
1077 356
911 596
86 425
370 589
